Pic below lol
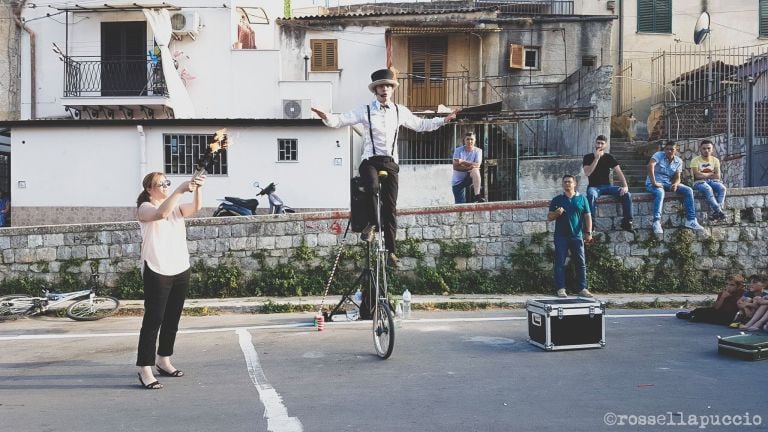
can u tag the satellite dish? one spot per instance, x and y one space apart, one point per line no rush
701 30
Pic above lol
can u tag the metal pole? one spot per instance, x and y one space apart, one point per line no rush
750 127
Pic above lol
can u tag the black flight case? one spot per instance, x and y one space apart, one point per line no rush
566 323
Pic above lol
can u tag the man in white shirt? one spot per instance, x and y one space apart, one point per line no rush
381 120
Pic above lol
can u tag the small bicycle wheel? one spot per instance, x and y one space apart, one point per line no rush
93 309
383 330
17 304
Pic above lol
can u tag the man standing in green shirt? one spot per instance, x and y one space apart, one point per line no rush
570 211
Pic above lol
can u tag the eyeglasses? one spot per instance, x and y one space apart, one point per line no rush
166 183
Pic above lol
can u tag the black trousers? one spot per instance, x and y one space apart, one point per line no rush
369 169
163 303
712 316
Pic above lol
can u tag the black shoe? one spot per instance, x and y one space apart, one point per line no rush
683 315
366 234
718 216
479 199
627 225
393 261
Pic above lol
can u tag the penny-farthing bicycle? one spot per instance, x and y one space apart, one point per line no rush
383 321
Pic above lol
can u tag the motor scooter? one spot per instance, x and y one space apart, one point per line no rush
233 206
276 205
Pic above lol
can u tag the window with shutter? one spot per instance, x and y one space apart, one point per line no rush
763 18
516 56
654 16
324 55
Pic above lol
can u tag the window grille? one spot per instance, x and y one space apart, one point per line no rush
287 149
182 151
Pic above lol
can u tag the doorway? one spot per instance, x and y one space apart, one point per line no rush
124 58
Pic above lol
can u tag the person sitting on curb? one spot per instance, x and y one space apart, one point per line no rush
747 303
706 175
758 303
725 307
598 166
664 174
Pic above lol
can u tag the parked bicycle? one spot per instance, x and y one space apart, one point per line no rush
91 307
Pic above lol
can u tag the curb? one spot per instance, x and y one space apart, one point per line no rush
255 305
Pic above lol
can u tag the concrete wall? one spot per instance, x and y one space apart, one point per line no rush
493 228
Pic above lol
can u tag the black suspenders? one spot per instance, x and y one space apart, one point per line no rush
370 129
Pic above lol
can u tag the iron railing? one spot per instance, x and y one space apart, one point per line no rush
530 7
622 91
95 76
422 93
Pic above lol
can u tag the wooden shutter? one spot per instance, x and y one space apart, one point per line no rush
763 17
516 56
324 54
654 16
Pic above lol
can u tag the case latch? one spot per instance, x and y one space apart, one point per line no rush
560 313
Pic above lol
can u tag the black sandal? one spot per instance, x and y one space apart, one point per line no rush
155 385
175 374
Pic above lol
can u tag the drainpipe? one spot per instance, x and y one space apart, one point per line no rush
142 151
32 69
481 76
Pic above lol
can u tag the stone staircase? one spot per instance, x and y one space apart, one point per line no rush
632 161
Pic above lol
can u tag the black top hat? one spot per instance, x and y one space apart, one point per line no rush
382 76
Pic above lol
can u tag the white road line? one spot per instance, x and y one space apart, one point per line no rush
274 411
307 324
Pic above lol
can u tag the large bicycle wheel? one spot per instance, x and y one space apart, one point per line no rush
93 309
17 304
383 330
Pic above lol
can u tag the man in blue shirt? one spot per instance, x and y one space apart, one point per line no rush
664 174
570 211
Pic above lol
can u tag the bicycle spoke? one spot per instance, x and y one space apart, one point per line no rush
17 305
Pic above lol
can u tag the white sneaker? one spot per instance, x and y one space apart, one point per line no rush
657 227
561 293
585 293
694 225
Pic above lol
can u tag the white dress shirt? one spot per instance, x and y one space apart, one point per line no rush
384 124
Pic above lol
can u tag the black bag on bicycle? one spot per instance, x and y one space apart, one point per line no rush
358 205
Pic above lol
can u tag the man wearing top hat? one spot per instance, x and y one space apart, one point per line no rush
381 120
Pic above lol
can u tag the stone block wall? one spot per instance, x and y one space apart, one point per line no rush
494 230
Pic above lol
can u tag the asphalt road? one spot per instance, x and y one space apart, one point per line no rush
450 371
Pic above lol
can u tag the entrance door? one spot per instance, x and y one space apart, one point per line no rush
427 77
124 58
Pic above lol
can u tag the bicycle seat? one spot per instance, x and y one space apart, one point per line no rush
383 174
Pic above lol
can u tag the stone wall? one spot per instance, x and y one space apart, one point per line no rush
493 228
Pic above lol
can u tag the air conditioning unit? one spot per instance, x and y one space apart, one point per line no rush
185 23
297 109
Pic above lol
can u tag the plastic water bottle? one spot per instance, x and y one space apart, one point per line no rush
399 309
353 310
406 304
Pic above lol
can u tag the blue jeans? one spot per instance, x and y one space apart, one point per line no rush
713 191
658 199
576 246
594 192
459 190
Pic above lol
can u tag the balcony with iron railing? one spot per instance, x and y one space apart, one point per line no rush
452 90
93 76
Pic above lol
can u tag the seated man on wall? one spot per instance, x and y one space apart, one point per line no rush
664 174
598 166
707 179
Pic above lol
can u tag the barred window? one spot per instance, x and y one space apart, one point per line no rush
287 149
182 151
